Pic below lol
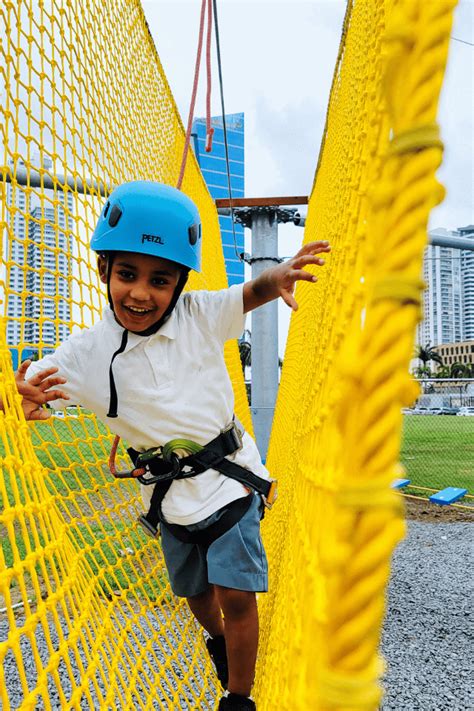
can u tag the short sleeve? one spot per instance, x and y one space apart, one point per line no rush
63 358
221 312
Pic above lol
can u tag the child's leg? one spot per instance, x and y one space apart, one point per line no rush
205 608
241 636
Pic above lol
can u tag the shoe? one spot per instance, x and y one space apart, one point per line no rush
236 702
217 652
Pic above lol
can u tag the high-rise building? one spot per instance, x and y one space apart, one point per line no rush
448 302
38 248
214 169
467 276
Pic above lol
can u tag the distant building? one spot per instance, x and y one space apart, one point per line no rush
467 275
448 301
214 170
38 249
462 352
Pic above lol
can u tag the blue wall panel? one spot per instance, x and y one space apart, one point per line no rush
214 170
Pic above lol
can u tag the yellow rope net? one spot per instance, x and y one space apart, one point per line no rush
87 618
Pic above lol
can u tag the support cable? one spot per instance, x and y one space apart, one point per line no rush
221 85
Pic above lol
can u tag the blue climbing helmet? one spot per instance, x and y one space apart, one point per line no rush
150 218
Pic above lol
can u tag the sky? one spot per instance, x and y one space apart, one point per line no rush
278 58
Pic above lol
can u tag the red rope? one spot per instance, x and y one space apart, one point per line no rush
209 129
113 452
195 87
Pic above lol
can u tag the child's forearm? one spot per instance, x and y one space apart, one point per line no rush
261 290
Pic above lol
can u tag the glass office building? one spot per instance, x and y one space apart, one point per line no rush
214 170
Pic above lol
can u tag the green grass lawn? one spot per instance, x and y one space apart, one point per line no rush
438 451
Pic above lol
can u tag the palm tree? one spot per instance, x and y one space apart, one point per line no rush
422 372
460 370
443 372
427 354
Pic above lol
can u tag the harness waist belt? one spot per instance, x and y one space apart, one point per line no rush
210 456
165 466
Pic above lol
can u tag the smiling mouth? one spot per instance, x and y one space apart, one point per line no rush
137 310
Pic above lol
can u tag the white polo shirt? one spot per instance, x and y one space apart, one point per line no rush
171 384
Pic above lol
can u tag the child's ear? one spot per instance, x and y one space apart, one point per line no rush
102 266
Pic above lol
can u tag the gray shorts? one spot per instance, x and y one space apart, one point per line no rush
236 560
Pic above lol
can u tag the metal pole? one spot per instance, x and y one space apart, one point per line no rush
264 331
36 179
453 242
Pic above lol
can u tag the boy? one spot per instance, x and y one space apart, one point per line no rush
159 379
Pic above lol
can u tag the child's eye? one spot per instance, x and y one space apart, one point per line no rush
125 274
159 281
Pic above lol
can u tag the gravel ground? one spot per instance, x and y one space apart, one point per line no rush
428 634
427 641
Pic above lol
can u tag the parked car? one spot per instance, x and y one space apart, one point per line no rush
448 411
466 411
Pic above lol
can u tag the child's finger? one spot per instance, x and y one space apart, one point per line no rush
55 395
314 248
302 275
42 375
307 259
50 382
40 414
22 368
289 300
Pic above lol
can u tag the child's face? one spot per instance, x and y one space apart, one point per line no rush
141 288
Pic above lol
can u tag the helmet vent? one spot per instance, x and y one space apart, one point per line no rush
194 235
115 215
106 208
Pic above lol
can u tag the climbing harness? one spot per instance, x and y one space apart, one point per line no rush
182 459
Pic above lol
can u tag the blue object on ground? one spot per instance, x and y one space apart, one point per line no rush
400 483
448 495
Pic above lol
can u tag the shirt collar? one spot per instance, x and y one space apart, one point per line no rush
168 330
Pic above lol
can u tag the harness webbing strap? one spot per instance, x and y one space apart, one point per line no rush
210 460
232 513
113 403
151 520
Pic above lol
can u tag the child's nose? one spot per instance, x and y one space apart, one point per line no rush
139 291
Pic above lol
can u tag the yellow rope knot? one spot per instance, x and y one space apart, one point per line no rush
406 290
353 689
416 139
374 494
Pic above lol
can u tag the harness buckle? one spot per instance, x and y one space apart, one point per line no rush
235 434
272 494
144 457
149 529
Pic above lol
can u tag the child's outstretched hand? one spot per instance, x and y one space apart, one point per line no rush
288 273
35 391
281 280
